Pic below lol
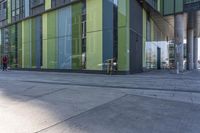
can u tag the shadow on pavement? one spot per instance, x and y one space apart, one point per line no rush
101 106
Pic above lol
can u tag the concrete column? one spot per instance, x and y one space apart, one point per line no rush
195 50
195 53
190 40
190 49
179 37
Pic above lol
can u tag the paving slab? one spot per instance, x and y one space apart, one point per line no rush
134 114
35 113
157 102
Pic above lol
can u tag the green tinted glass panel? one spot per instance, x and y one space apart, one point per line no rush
19 44
12 46
94 15
26 44
123 13
168 7
179 5
94 46
158 5
9 10
152 30
33 42
76 36
49 40
144 36
123 35
47 4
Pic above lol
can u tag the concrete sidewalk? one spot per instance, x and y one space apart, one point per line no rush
157 102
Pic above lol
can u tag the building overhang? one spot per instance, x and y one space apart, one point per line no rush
164 24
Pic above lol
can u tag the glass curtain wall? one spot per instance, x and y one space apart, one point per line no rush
56 3
123 35
3 12
79 36
62 38
50 41
37 6
17 9
9 44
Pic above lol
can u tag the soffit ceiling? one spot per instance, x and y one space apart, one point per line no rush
166 24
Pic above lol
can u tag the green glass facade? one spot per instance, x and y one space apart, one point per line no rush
83 34
123 35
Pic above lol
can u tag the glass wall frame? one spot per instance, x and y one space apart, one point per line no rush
17 9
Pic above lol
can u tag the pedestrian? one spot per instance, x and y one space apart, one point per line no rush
5 62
